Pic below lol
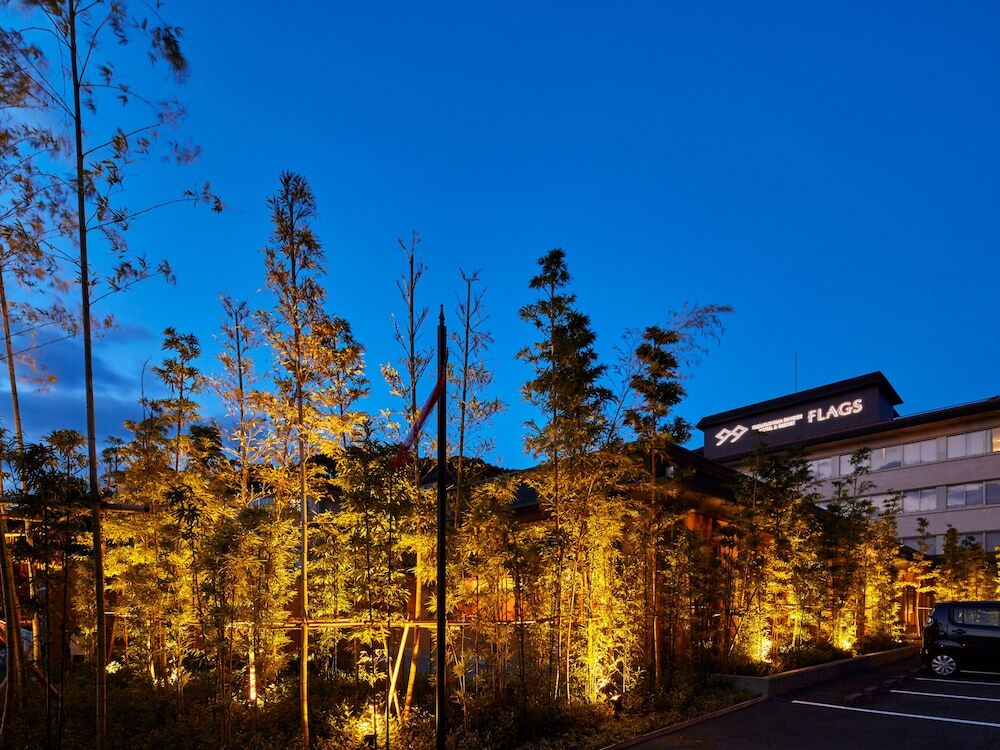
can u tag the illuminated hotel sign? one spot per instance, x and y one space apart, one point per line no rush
800 417
844 409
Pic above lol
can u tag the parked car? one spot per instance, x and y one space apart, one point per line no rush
962 635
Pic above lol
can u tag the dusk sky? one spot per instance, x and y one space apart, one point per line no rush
832 171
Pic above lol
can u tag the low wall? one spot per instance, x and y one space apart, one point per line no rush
784 682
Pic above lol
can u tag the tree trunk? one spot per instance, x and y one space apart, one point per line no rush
16 674
88 370
411 678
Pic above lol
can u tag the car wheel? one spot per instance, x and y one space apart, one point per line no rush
944 665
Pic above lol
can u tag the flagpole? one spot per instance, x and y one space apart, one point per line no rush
442 473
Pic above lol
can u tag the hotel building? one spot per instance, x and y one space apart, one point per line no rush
945 462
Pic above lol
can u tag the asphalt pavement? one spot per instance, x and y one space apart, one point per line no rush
888 707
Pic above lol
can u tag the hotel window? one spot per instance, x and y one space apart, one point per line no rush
919 500
956 495
920 453
893 457
877 459
996 439
974 493
993 492
845 463
956 446
976 442
821 468
967 444
960 495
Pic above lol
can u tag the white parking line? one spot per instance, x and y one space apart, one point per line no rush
947 695
956 682
902 715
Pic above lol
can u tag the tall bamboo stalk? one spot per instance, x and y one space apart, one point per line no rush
88 372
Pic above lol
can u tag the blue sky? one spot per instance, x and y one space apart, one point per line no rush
830 172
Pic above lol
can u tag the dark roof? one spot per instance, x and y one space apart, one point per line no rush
704 474
876 379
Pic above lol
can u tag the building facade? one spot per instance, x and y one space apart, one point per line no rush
945 463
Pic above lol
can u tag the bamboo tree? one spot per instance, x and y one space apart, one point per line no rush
185 504
650 387
471 380
139 558
656 383
921 568
250 587
183 380
293 261
299 332
349 383
16 676
239 339
846 544
405 385
73 89
567 389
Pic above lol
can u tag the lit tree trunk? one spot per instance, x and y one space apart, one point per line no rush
463 400
298 374
304 562
15 659
415 362
88 372
293 264
14 697
411 678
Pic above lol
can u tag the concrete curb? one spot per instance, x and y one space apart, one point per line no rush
633 741
808 676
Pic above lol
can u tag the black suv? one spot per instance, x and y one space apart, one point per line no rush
962 635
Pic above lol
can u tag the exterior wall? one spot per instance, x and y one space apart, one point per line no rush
977 520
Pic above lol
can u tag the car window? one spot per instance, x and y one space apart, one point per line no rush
984 616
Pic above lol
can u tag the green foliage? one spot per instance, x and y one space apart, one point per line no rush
870 644
567 383
964 572
809 655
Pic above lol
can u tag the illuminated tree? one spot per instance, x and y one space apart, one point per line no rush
567 390
54 494
405 384
964 571
248 565
471 377
654 389
305 409
74 89
766 551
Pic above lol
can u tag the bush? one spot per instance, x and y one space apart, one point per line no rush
872 643
809 655
742 665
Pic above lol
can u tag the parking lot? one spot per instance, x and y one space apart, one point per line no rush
891 707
